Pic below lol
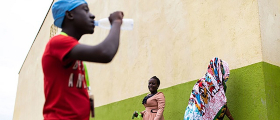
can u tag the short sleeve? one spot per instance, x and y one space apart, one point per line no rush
61 45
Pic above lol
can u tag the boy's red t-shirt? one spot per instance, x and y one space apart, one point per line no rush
64 82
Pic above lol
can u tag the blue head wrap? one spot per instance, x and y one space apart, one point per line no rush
61 6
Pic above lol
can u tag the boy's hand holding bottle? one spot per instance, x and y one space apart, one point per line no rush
116 17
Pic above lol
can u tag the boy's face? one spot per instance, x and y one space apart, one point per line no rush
83 19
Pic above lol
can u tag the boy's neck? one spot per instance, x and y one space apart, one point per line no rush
72 33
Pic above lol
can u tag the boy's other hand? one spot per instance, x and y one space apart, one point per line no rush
116 17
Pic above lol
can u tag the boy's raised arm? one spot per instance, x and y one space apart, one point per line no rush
106 50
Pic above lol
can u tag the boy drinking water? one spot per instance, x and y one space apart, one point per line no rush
65 89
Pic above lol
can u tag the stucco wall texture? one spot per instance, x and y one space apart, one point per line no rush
172 39
269 12
252 94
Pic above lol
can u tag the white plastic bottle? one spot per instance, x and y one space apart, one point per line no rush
127 24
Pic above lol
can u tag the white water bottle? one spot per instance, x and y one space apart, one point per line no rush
127 24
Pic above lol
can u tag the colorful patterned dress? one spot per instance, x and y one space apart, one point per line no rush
207 100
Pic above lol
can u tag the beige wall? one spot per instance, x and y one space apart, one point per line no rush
270 30
172 39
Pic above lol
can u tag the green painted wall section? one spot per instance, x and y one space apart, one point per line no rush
246 93
272 90
253 94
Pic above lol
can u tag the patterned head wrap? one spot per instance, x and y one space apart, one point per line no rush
218 69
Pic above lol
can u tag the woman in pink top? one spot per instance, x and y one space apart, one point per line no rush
153 102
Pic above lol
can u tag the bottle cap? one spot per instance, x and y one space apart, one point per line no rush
96 23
